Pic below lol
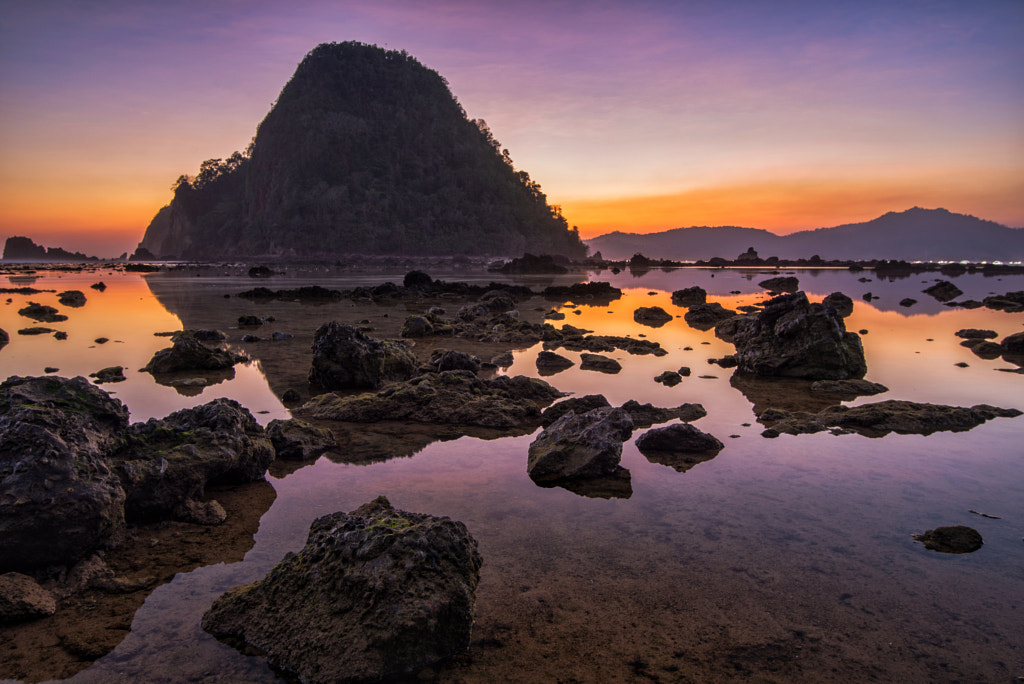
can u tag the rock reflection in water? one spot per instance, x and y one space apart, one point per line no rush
616 485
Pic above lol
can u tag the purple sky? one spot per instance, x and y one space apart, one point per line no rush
632 115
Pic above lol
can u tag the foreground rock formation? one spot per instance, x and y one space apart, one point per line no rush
793 338
345 358
587 445
374 593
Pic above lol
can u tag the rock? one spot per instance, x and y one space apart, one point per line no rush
881 418
298 440
781 284
652 316
684 371
549 363
447 398
579 446
101 340
976 334
727 361
528 263
23 599
574 340
448 359
61 499
250 320
597 292
851 387
205 335
51 369
72 298
955 539
169 462
706 316
842 304
4 338
111 374
908 302
943 291
417 279
39 312
987 350
417 326
207 513
725 329
101 286
680 446
646 415
669 378
793 338
345 358
602 364
278 336
689 296
578 405
1011 302
503 360
291 396
250 338
37 330
376 593
260 272
189 354
1013 344
972 342
57 335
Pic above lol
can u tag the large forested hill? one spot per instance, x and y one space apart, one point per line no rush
365 151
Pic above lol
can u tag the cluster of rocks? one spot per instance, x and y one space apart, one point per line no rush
188 353
1011 347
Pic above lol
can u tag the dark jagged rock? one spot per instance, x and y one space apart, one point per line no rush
390 592
250 320
579 446
111 374
101 286
167 463
781 284
793 338
954 539
689 296
725 329
365 151
579 405
1013 344
706 316
448 398
36 330
851 387
23 599
881 418
42 313
72 298
549 363
669 378
653 316
840 302
189 354
908 302
1010 302
602 364
976 334
680 446
449 359
60 498
417 326
345 358
4 338
646 415
575 340
943 291
297 440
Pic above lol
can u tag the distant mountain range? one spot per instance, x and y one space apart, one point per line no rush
915 234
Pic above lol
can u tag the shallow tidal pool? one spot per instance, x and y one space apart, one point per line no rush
779 560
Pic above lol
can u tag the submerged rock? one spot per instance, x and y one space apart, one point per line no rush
447 398
61 499
881 418
374 593
954 539
793 338
345 358
943 291
111 374
189 354
579 446
652 316
298 440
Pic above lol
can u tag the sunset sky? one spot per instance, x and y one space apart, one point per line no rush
632 115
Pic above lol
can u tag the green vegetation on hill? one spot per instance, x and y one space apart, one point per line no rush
365 151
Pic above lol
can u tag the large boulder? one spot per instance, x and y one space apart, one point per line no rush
706 316
793 338
588 402
59 499
446 398
579 446
298 440
680 446
167 463
943 290
376 593
345 358
840 302
653 316
189 354
951 539
689 296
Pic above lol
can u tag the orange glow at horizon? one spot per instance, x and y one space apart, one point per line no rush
784 207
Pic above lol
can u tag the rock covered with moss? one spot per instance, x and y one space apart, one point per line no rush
579 446
189 354
346 358
374 593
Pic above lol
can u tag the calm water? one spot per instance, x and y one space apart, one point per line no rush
786 559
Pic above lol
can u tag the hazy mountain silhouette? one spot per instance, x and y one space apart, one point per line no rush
915 234
365 151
